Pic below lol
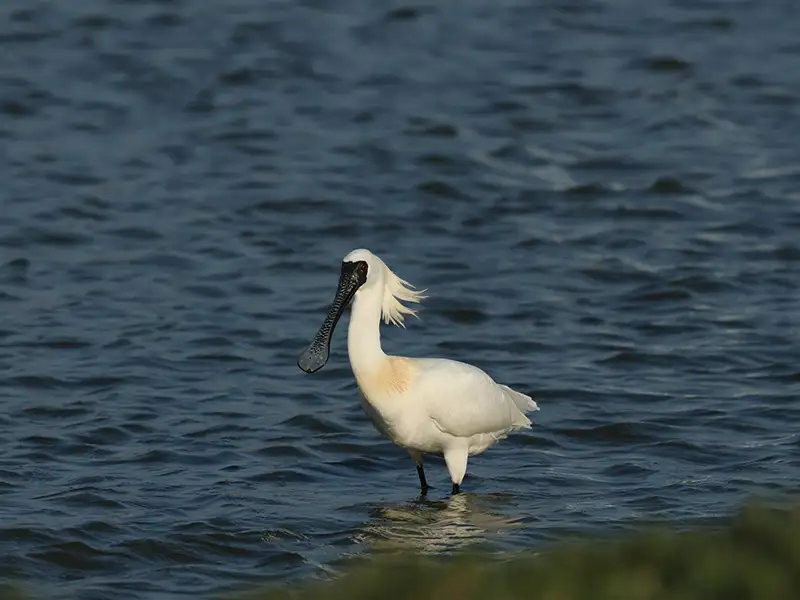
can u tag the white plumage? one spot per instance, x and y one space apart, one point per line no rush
425 405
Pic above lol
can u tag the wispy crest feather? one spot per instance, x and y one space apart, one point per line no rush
395 290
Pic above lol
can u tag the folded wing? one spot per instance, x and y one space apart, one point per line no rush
464 401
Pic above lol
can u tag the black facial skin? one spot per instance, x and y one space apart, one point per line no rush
353 276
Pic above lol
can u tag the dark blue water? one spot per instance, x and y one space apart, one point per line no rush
600 197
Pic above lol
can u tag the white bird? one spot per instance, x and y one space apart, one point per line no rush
425 405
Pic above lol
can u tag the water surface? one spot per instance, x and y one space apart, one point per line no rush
600 197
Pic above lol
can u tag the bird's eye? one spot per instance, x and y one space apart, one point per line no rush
363 267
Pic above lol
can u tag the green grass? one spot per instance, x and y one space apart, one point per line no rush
756 556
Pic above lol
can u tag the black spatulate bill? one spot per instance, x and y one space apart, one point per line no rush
353 276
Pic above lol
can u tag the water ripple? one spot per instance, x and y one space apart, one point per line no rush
603 209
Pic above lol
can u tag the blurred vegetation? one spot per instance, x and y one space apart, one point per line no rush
754 556
7 592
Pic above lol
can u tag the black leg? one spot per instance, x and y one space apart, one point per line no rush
423 484
456 489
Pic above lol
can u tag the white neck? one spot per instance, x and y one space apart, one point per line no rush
364 331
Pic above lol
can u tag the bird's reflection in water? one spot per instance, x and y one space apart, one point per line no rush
434 526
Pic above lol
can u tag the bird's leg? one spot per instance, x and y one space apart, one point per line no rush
456 459
423 483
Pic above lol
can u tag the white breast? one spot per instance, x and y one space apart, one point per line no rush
393 403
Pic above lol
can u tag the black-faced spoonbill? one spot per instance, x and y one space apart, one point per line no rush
432 405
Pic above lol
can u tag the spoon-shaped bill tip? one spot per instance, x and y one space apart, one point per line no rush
313 359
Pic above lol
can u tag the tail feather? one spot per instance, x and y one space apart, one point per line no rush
520 400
